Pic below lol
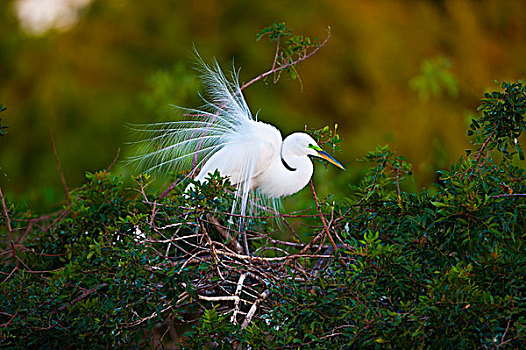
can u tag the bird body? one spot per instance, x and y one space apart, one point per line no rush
249 154
290 169
224 136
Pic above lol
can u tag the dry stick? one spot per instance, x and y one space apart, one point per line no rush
26 231
60 217
60 173
322 217
82 296
259 259
169 189
316 239
480 153
193 259
212 249
225 298
12 318
508 195
141 320
293 244
231 241
373 185
484 146
240 282
502 342
253 309
9 229
114 160
277 54
9 276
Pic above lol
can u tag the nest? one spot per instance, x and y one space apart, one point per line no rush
236 283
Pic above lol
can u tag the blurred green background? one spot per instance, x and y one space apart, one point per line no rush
406 73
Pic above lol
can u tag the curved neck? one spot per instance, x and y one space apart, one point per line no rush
285 164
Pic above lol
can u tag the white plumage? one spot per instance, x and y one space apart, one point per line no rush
224 136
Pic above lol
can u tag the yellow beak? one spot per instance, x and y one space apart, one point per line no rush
327 157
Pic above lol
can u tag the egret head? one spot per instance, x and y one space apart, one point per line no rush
303 144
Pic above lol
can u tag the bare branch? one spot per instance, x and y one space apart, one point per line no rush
59 168
114 160
253 309
82 296
240 282
9 229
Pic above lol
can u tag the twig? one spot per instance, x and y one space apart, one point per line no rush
12 318
9 229
226 235
292 244
173 239
322 217
285 66
398 184
141 320
212 249
277 54
29 226
373 185
484 146
272 259
224 298
82 296
311 243
57 220
169 189
509 195
194 259
59 168
253 309
502 342
240 282
114 160
9 275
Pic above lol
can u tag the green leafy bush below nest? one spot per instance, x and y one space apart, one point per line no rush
120 268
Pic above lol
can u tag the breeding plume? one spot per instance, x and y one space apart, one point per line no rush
224 135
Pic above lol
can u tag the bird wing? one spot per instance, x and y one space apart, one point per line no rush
180 145
220 135
248 154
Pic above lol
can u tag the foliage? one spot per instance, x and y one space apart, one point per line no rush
214 331
434 77
125 267
381 181
327 137
503 133
295 47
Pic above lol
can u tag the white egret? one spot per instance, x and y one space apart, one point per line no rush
224 136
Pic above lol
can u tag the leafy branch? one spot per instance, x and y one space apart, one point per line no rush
294 50
502 121
327 137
